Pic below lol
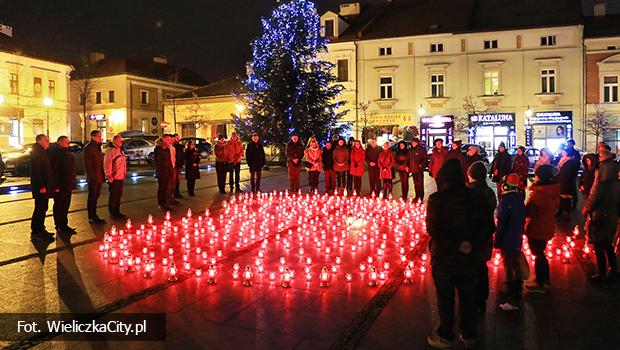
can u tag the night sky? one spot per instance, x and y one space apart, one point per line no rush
209 36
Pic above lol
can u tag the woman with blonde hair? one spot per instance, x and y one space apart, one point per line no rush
313 163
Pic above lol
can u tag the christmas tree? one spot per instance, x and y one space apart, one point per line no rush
289 89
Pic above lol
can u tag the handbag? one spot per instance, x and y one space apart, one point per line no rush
524 266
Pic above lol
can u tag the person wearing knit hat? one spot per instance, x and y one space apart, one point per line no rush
500 167
477 182
509 233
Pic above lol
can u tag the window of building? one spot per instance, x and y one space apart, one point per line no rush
37 126
490 44
385 87
144 97
14 83
98 97
111 96
51 88
437 85
610 89
329 28
144 125
343 70
220 129
188 130
548 40
37 88
547 81
385 51
491 83
436 47
82 99
612 138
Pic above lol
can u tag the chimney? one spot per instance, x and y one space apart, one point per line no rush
95 57
160 59
600 9
351 9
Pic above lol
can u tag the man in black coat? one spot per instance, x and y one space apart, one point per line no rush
255 156
417 159
164 171
294 155
93 166
63 166
42 186
179 162
456 224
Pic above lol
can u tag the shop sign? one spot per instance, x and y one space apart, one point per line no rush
390 119
552 118
492 118
96 117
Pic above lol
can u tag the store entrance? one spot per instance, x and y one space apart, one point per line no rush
550 136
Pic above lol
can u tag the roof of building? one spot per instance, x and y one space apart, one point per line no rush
400 18
222 87
146 68
603 26
16 46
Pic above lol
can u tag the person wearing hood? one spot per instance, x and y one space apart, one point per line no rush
601 209
476 176
386 163
42 187
294 155
255 156
509 233
372 158
590 163
403 168
500 167
456 153
438 157
417 159
341 165
358 155
541 205
456 246
314 163
521 167
568 166
328 168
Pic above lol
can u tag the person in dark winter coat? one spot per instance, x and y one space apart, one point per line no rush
500 167
314 163
590 163
221 163
328 168
456 246
341 165
356 170
93 166
255 156
349 176
472 156
63 166
192 169
386 162
42 186
438 157
372 158
567 165
178 165
574 153
477 174
165 172
402 166
521 167
417 159
294 156
456 153
540 208
509 233
601 209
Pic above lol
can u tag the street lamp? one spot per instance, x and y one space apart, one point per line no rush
421 110
48 102
528 112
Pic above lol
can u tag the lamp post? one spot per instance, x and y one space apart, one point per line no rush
48 102
421 110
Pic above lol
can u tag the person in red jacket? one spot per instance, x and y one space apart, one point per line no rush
386 163
403 168
341 165
521 166
438 157
540 209
356 169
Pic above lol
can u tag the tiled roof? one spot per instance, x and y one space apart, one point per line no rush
219 88
12 45
597 27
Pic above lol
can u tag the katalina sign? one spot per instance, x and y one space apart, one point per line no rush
492 118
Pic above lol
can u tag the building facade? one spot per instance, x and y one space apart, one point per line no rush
126 94
34 97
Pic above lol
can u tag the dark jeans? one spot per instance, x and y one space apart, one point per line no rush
418 185
514 279
341 179
233 178
255 180
114 199
177 180
482 285
605 254
293 178
62 201
313 180
41 204
565 204
404 183
94 191
447 279
330 181
191 185
220 170
541 264
172 184
349 183
163 193
374 181
357 184
387 187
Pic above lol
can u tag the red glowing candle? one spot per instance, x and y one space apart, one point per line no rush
247 276
348 277
324 277
172 273
198 272
373 277
211 273
113 256
286 279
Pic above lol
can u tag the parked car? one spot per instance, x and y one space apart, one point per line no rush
203 146
483 152
18 158
138 150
